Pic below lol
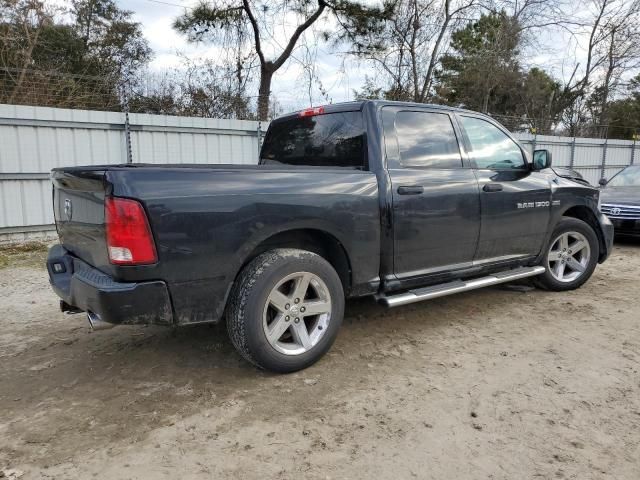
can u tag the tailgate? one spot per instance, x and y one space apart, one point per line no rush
78 207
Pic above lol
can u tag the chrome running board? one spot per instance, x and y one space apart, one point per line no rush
435 291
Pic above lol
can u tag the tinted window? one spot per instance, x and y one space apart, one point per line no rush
427 140
331 140
490 146
629 177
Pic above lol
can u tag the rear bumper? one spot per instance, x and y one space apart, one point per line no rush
607 229
88 289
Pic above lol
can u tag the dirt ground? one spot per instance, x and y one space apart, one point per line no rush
497 383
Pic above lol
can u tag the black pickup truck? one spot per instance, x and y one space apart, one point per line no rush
404 202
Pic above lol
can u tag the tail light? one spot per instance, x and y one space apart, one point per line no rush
311 112
129 238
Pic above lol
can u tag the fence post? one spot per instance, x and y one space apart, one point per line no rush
573 153
604 152
633 148
127 126
259 138
535 141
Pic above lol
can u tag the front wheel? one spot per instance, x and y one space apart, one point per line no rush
571 256
285 310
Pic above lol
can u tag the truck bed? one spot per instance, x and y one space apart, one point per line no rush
206 219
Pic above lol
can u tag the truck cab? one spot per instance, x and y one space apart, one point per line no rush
459 195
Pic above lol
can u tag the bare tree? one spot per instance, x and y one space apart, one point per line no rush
23 22
310 72
74 58
450 15
535 15
263 28
412 43
194 88
612 32
620 51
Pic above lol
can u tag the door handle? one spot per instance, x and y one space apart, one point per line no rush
410 190
492 187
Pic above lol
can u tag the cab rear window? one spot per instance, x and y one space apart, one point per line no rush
329 140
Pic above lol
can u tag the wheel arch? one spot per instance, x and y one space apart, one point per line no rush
314 240
584 213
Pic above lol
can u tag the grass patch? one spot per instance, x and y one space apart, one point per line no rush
29 254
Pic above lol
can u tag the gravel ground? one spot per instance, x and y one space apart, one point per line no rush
498 383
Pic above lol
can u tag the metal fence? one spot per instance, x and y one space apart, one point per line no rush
33 140
594 158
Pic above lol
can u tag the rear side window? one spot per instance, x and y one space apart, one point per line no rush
427 139
330 140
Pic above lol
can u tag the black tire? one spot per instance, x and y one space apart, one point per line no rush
248 303
569 225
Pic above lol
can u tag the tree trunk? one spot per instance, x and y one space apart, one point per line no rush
415 26
434 56
485 101
606 87
268 68
264 92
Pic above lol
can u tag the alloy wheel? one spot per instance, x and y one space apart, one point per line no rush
569 256
297 313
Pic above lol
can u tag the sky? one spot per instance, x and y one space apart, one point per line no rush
339 75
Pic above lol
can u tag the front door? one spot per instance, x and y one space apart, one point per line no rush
436 210
515 201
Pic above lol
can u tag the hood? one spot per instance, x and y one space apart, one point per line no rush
569 173
621 195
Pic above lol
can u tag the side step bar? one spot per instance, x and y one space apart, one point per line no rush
450 288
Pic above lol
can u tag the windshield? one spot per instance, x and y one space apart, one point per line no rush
629 177
330 140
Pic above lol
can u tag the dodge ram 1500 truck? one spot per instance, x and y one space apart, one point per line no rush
404 202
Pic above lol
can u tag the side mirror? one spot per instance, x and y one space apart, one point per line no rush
541 159
603 182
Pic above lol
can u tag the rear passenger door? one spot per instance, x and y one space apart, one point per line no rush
514 200
436 211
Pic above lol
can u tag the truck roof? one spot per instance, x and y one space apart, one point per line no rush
357 105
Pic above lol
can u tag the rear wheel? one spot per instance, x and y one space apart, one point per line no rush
571 256
285 309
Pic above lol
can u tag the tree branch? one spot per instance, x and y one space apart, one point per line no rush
256 31
296 35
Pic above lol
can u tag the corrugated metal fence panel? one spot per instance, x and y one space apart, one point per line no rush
33 140
37 139
163 139
588 153
593 174
560 147
25 203
619 153
526 140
